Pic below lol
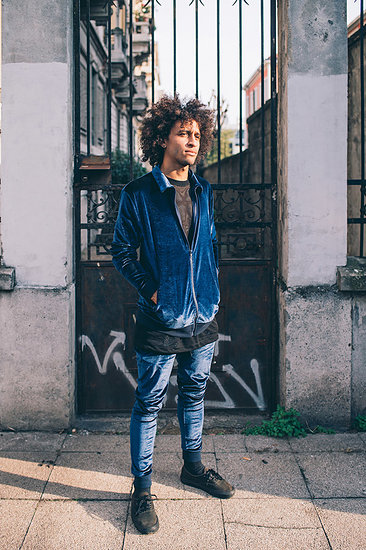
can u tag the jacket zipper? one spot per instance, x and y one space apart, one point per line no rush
193 291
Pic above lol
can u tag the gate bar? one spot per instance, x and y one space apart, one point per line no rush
262 92
109 96
174 46
88 76
274 323
218 97
152 51
240 94
130 127
196 29
77 237
363 188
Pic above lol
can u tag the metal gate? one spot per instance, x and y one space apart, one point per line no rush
243 372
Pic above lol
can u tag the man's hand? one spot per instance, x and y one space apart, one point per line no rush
154 297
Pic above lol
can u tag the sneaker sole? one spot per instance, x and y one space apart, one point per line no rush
151 530
212 493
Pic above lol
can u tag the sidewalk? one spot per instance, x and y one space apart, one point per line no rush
71 492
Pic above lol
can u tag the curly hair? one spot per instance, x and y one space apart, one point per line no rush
160 119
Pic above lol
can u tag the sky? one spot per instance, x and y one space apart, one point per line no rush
229 45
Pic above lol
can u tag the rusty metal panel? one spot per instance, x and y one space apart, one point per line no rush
240 376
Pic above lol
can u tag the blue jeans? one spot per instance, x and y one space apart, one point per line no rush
153 379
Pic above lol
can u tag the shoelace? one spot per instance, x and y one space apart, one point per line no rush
212 475
145 503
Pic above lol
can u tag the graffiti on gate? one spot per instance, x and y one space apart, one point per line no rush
119 339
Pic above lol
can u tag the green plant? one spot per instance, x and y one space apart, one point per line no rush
360 423
120 165
282 424
321 430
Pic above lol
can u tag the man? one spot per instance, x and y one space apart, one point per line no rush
168 215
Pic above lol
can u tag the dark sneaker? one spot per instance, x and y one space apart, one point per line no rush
143 514
210 481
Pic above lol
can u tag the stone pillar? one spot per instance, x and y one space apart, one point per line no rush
315 327
37 317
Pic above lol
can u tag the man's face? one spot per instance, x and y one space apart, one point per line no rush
183 144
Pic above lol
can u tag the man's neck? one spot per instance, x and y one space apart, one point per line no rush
179 174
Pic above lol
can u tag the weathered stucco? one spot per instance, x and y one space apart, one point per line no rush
37 374
34 31
315 319
316 374
317 36
359 355
316 141
37 340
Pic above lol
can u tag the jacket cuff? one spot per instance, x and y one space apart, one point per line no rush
148 289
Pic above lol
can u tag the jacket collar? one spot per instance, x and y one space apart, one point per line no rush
164 183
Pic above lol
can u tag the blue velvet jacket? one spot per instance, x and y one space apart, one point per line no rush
185 275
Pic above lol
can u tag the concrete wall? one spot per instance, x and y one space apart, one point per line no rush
358 355
36 342
316 369
315 319
37 367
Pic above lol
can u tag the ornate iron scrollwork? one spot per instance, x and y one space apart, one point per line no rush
242 220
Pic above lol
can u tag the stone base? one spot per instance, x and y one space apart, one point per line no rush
37 375
316 354
359 355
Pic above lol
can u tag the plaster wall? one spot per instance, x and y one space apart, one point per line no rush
36 196
317 175
36 350
317 141
36 187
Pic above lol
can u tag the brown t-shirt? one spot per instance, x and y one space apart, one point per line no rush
184 204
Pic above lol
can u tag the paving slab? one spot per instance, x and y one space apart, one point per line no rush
264 444
362 436
15 517
230 443
344 521
166 477
77 525
284 513
242 537
327 442
265 475
165 443
335 474
30 441
96 442
24 475
90 476
184 525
